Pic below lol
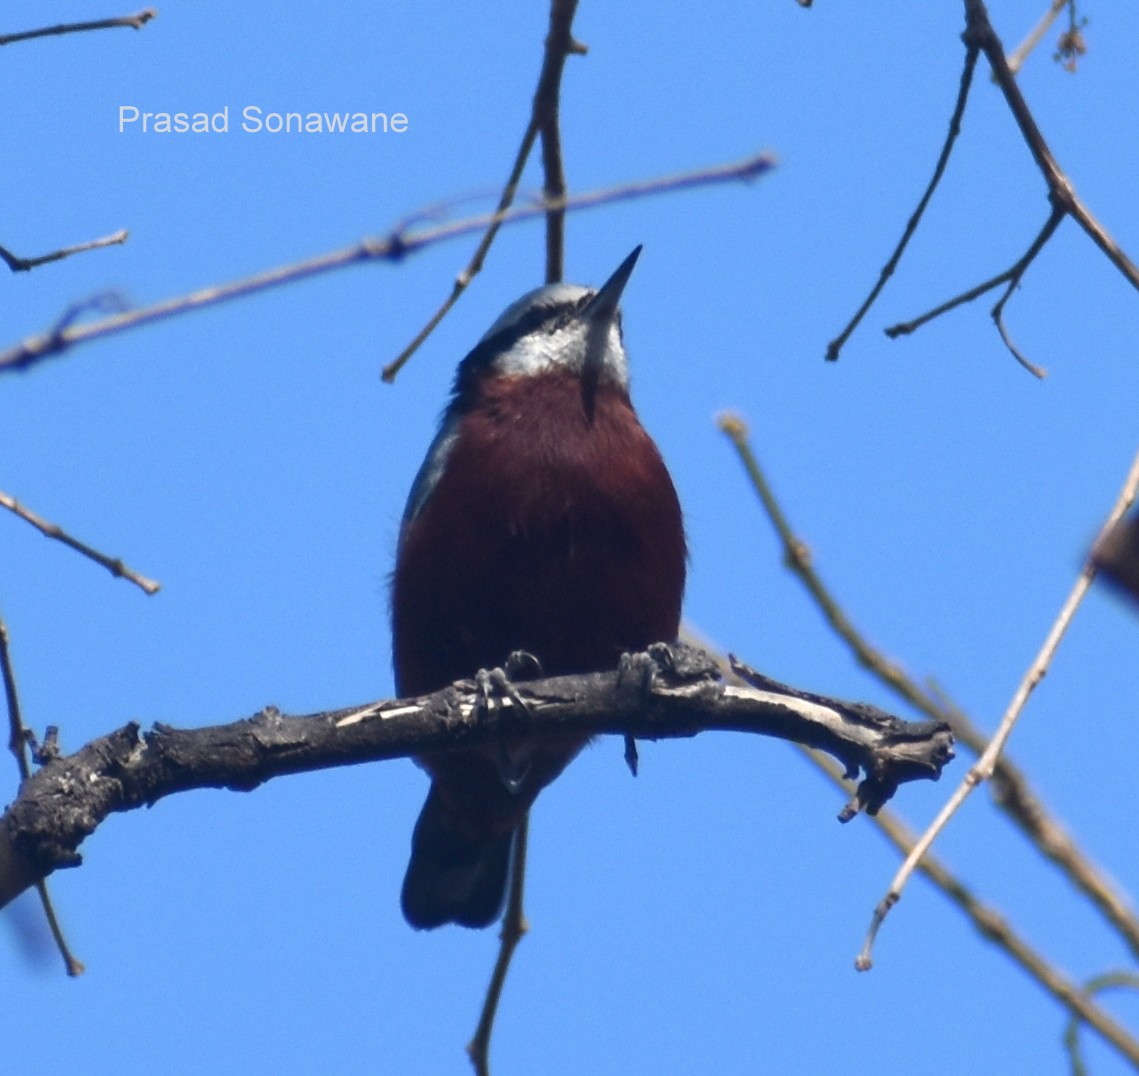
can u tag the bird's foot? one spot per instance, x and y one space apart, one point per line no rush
497 684
642 667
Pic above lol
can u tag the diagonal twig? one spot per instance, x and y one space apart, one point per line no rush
989 922
1011 278
980 37
543 120
982 770
129 22
1016 58
835 346
22 265
1011 789
391 248
52 530
994 926
1112 980
979 30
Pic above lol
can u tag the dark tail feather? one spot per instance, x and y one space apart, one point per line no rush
451 879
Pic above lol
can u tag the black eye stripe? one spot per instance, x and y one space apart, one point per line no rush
539 318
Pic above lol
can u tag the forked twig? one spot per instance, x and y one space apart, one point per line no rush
1011 278
543 120
980 37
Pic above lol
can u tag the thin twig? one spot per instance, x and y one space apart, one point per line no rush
982 770
1011 277
559 44
52 530
22 265
1018 55
390 248
131 22
979 32
835 346
985 919
544 119
1011 789
514 929
17 743
993 926
979 36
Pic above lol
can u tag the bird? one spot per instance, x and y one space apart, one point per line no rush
543 522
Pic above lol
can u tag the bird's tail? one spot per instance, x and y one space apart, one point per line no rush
452 878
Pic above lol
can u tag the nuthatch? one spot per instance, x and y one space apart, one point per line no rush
543 520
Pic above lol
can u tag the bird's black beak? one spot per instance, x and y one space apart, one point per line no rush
603 306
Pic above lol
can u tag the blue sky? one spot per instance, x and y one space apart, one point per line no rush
703 918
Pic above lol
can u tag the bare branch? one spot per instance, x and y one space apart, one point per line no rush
979 32
983 769
62 804
1011 789
560 44
992 925
980 37
18 745
392 248
22 265
543 120
130 22
52 530
514 929
835 346
1010 278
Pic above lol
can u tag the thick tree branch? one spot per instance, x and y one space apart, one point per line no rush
62 804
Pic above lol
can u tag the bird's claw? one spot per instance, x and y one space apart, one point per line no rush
643 666
493 686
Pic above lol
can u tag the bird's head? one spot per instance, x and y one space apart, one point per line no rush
557 328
